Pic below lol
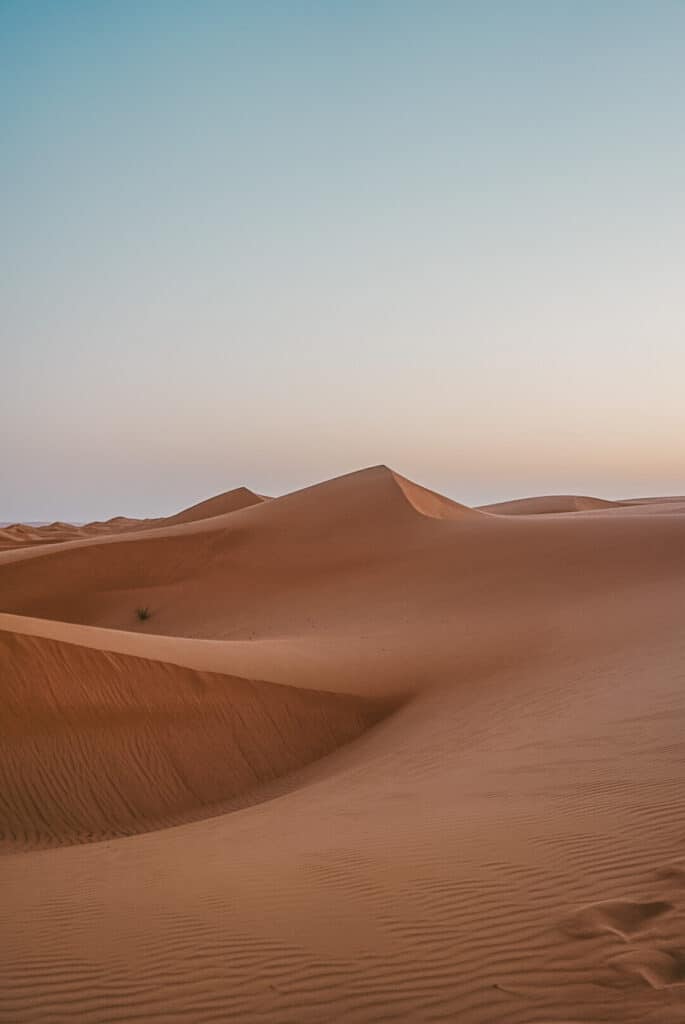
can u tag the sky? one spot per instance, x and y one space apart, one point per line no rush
266 243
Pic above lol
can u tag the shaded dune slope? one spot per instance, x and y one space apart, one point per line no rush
95 744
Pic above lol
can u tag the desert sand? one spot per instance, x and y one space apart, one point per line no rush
373 756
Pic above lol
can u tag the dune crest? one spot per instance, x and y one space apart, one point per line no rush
97 745
219 505
430 503
372 496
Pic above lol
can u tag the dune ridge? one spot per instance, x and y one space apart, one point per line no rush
219 505
374 756
18 535
98 745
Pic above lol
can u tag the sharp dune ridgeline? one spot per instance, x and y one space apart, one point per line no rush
352 754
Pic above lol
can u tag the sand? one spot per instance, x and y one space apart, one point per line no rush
20 535
374 756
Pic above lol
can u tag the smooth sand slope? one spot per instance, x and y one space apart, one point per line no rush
98 744
428 762
546 504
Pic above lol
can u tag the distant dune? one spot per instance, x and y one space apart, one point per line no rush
549 504
15 535
230 501
372 755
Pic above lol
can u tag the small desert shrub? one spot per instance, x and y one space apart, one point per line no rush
143 613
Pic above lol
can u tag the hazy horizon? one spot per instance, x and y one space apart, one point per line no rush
267 244
169 507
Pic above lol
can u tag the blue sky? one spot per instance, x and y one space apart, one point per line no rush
267 243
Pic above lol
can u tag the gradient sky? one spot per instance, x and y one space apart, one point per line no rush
267 243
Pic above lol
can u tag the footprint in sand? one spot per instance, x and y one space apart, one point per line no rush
660 968
622 917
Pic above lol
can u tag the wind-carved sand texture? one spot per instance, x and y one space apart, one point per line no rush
372 756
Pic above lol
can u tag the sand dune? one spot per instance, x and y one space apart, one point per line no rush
424 763
230 501
18 535
98 744
550 503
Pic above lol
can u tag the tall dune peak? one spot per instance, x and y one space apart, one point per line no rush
373 491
